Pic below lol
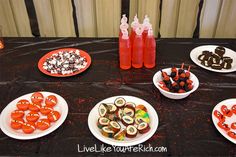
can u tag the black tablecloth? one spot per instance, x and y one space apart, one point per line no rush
185 126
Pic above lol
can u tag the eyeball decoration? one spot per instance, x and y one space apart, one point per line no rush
36 114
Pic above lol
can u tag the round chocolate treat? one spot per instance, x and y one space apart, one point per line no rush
227 59
200 57
208 53
210 61
216 66
215 59
205 63
226 65
107 132
143 127
220 51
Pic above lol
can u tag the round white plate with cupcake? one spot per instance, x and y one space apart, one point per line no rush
214 58
33 115
123 121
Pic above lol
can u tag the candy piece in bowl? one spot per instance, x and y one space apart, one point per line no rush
176 83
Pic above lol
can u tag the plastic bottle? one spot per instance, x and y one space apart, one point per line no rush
150 50
146 26
125 51
137 51
134 25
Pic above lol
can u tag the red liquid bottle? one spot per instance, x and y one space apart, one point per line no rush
125 51
137 54
150 50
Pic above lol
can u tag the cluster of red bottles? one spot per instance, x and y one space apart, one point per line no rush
139 48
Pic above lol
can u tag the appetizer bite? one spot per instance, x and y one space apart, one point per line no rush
122 119
178 81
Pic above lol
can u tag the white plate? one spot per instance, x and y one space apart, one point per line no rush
229 103
5 118
228 52
140 138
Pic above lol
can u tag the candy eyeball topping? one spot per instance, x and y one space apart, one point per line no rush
65 62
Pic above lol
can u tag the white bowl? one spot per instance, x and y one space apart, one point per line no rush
157 78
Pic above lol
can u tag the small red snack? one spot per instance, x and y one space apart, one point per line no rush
181 91
28 127
45 110
182 83
232 134
223 126
32 116
165 88
17 114
233 125
54 116
189 81
51 100
233 109
226 111
37 98
17 123
34 107
220 116
43 124
23 104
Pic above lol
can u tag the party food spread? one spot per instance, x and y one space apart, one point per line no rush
216 60
178 81
34 114
65 62
122 119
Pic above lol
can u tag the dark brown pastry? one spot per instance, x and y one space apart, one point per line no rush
227 59
226 65
220 51
208 53
216 66
205 63
201 57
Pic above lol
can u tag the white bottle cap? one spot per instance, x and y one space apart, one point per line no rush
146 19
124 19
124 26
139 30
146 23
135 23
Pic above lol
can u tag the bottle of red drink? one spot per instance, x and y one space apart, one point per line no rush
150 50
137 51
125 51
